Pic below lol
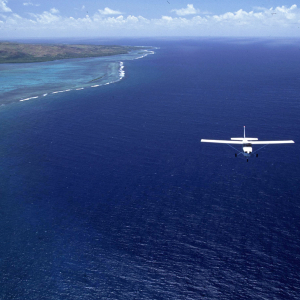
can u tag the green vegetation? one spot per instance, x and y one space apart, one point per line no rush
25 53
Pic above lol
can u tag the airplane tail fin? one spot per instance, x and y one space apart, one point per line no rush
240 138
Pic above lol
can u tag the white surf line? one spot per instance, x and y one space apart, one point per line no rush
95 85
57 92
61 91
147 52
121 71
26 99
44 95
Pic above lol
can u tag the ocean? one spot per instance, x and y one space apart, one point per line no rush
107 192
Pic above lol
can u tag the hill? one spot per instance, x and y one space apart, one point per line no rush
25 53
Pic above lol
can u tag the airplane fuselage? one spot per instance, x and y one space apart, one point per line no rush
247 148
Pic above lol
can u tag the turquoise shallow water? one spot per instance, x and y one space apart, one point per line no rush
23 82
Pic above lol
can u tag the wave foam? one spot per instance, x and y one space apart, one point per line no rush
26 99
146 53
121 71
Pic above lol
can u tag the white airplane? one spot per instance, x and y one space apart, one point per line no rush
247 144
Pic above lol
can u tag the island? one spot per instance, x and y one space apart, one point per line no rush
28 53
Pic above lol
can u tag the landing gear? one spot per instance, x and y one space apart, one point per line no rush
256 155
247 159
235 155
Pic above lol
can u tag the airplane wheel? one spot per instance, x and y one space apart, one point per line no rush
256 155
235 155
247 159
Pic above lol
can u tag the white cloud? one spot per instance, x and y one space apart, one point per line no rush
47 17
30 4
278 17
3 7
189 10
108 11
279 21
167 18
290 13
54 10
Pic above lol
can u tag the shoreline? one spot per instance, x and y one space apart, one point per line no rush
24 82
11 52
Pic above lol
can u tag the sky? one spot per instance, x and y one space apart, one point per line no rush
155 18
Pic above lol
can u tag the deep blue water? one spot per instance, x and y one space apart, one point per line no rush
107 193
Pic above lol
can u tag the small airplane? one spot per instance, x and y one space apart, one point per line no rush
247 144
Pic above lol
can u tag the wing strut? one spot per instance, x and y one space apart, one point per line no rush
235 149
260 148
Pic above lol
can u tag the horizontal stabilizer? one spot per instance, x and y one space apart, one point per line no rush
272 142
222 141
248 139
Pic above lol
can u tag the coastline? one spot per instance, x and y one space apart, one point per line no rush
31 53
30 81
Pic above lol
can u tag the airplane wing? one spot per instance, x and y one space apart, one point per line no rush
271 142
222 141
